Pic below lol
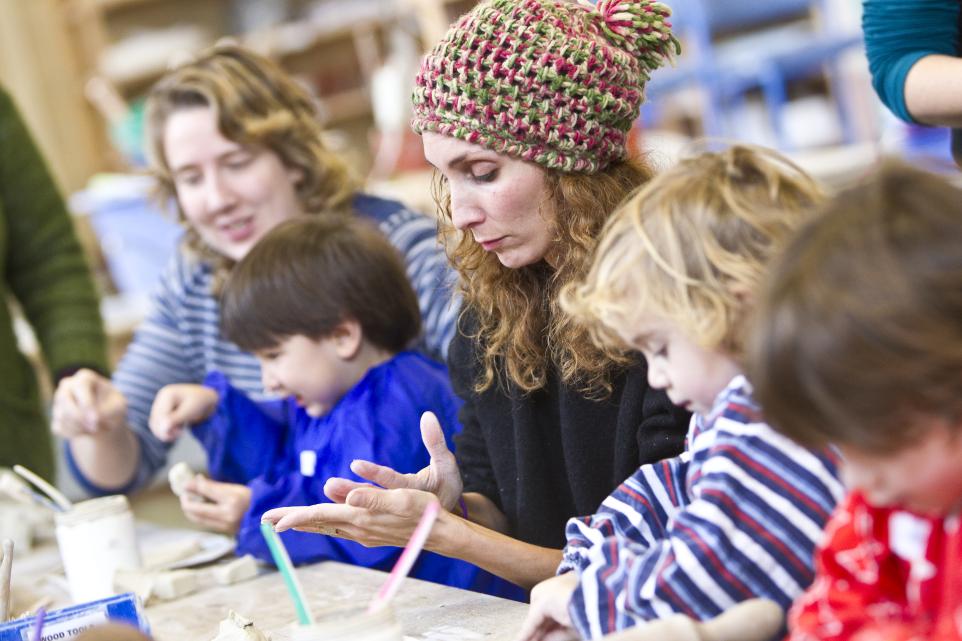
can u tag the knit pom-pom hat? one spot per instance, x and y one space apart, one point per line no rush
552 82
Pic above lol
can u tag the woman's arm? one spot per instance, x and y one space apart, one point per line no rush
375 516
912 54
933 90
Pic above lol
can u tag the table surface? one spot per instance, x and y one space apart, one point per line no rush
426 611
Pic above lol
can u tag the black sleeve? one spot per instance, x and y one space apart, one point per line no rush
474 458
663 428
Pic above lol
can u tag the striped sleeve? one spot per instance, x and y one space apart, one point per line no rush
415 237
178 342
738 518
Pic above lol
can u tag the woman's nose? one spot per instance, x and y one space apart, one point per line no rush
218 193
465 212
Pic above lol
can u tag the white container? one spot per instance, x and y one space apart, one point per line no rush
96 538
351 626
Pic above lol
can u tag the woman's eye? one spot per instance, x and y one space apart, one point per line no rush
189 179
485 177
239 162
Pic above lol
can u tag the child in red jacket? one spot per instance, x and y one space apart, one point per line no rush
859 343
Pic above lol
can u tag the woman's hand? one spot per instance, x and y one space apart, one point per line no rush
87 404
223 507
441 477
371 516
548 618
179 405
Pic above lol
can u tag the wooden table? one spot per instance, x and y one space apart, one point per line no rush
426 611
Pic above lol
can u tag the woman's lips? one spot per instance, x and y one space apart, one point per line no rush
489 245
239 231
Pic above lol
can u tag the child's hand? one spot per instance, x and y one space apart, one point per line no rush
224 505
548 618
177 406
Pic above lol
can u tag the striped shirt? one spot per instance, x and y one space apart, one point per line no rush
180 340
737 515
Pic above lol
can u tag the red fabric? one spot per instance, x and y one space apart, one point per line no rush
883 575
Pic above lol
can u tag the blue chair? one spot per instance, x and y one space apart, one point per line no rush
732 47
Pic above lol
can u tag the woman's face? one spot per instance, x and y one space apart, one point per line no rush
232 195
501 201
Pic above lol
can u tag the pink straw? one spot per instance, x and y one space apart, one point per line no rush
407 558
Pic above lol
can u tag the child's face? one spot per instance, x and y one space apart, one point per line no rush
314 372
691 375
925 478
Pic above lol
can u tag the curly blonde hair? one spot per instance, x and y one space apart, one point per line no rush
691 245
521 327
255 103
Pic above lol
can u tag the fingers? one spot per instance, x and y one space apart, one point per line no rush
337 488
433 436
274 515
321 518
179 405
380 474
86 403
163 415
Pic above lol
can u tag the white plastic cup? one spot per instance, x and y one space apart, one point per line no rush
96 538
353 625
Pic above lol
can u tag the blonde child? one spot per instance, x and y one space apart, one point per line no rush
859 343
738 513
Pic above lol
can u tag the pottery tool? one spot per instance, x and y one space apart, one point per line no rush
6 570
38 624
44 487
17 489
283 561
408 556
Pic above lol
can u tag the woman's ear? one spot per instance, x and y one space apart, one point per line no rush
348 338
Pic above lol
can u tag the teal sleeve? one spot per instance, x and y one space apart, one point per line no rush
898 34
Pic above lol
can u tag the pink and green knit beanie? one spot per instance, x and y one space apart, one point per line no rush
553 82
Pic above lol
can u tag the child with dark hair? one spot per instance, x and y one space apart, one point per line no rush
325 305
858 343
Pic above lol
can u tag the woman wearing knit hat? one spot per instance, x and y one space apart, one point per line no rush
524 109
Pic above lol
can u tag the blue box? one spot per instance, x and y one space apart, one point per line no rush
67 623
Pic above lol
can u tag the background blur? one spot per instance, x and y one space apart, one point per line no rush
789 74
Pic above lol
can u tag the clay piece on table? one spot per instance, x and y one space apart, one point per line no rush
150 585
164 555
236 571
238 628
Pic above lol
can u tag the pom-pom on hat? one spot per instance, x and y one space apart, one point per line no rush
552 82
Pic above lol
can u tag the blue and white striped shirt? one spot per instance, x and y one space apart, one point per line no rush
736 516
180 340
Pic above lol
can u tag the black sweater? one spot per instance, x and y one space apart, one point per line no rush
553 454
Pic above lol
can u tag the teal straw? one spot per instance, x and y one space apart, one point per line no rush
283 561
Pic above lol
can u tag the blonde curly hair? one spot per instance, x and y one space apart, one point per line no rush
691 245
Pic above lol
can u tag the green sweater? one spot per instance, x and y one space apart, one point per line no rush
43 268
